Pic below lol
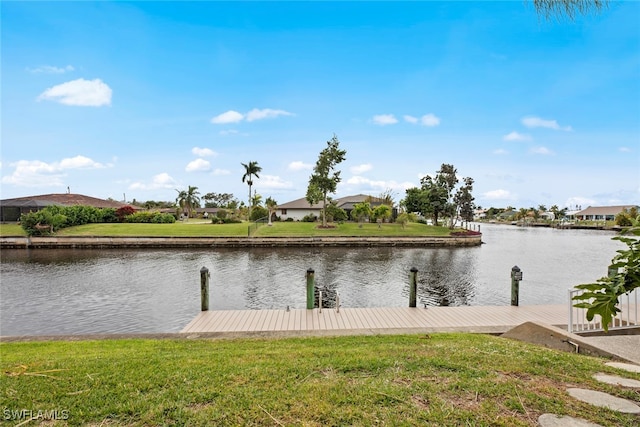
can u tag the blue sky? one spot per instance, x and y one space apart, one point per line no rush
143 98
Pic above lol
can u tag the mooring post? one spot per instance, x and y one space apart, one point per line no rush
310 288
413 286
204 288
516 276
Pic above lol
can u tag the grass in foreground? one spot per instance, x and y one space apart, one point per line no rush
442 380
278 229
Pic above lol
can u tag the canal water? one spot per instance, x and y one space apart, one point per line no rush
44 292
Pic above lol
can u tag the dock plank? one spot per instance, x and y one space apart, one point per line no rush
376 319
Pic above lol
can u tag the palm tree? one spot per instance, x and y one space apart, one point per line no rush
271 206
250 170
188 199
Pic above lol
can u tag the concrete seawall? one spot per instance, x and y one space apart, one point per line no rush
97 242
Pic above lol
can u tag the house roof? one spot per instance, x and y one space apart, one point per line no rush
604 210
63 199
346 202
301 203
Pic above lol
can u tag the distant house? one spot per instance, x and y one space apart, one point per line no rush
601 213
299 208
12 209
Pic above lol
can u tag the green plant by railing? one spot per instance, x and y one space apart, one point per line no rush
602 298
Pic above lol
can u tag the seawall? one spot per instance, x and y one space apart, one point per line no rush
98 242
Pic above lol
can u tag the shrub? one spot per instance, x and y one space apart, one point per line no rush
289 220
64 216
123 212
335 213
150 218
309 218
623 219
258 212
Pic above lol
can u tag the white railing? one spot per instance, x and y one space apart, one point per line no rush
626 318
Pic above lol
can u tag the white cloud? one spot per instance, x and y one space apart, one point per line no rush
537 122
232 116
369 184
384 119
198 165
624 149
203 152
497 195
228 117
500 151
274 182
162 180
356 170
429 120
220 172
541 150
298 166
228 132
266 113
50 69
81 92
33 173
515 136
79 162
410 119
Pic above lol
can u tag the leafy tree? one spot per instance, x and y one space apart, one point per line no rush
218 200
361 211
325 178
188 200
436 198
463 201
568 8
602 298
152 204
251 169
271 205
415 200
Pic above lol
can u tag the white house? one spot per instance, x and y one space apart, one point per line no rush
299 208
601 213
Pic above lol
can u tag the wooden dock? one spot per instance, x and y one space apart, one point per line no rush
350 321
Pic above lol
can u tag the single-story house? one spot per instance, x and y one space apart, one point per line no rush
601 213
12 209
299 208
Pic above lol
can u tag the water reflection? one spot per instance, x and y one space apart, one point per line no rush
87 291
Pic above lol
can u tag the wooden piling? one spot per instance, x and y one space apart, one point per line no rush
310 288
413 286
204 288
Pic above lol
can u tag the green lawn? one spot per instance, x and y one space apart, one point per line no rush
280 229
437 380
11 229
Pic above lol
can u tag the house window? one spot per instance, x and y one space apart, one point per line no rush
283 211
